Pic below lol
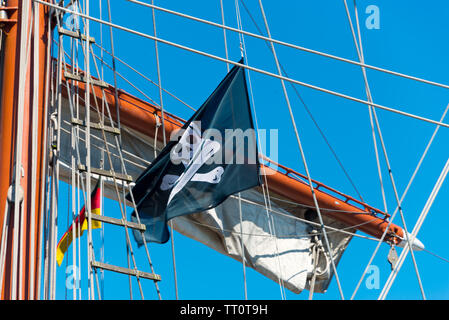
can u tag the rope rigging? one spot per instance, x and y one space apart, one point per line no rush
303 157
112 169
295 89
345 96
82 97
265 187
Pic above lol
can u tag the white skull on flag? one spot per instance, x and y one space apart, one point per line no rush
192 151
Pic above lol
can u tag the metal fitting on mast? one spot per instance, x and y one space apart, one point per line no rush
5 14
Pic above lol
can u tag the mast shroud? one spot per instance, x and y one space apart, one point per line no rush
35 78
143 117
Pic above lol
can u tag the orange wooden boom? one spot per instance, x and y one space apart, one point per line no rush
142 117
134 113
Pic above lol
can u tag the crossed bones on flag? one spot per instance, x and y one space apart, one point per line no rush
193 151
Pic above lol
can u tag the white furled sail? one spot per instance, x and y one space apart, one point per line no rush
276 243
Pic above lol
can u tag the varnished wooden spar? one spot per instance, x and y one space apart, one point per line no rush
142 116
366 218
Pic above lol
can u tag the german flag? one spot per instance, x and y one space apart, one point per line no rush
80 220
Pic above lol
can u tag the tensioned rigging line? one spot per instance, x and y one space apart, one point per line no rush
74 141
224 33
359 49
375 146
435 255
296 236
121 158
120 203
34 151
67 222
132 255
239 198
129 82
111 36
303 157
142 166
55 146
53 201
288 44
88 203
307 109
107 150
81 181
90 249
259 31
25 44
342 230
111 145
247 66
164 139
79 186
387 161
438 127
46 184
265 187
119 148
44 171
147 162
135 87
290 203
117 106
102 160
75 177
148 79
415 231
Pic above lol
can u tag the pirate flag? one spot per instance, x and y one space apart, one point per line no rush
213 156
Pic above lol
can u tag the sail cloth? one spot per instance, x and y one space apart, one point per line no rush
139 151
213 156
276 245
80 220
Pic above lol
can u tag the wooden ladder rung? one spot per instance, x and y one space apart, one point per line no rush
79 78
75 34
107 173
131 272
119 222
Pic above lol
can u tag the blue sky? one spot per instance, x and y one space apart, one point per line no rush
412 39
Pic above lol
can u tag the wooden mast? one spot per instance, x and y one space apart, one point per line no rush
20 279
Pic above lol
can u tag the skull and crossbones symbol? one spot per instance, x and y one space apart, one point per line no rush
193 151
